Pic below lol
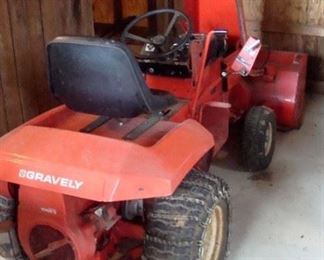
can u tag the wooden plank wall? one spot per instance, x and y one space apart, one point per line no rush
104 9
26 26
295 25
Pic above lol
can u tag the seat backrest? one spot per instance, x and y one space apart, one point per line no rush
97 76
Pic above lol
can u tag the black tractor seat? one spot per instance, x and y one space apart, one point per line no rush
100 77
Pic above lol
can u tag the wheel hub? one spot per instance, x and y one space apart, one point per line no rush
268 139
158 40
214 236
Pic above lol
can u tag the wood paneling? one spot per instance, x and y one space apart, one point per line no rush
253 13
297 25
103 11
72 17
25 28
10 89
3 116
305 12
254 9
134 7
19 18
293 25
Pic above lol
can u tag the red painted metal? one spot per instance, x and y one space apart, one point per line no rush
206 78
209 15
62 172
280 84
35 151
218 125
283 87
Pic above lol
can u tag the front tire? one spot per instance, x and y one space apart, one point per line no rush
192 223
258 140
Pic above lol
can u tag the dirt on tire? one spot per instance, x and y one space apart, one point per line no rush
176 225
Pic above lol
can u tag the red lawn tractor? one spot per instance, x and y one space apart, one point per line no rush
120 171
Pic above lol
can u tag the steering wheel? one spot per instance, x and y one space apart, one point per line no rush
159 41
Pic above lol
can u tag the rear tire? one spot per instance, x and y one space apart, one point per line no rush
258 140
192 223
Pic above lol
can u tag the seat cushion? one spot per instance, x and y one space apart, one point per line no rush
100 77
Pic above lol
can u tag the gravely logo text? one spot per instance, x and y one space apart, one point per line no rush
50 179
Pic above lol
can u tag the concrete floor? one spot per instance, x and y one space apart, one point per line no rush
280 215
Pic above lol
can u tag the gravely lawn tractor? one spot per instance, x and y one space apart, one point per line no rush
120 171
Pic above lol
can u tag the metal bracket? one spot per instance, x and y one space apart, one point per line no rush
153 120
95 124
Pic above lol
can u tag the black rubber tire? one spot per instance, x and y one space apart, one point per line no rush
255 156
176 225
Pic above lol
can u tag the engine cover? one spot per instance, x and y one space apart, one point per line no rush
51 226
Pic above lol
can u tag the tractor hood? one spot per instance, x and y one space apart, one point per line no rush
100 168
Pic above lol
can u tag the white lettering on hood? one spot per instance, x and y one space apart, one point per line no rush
50 179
